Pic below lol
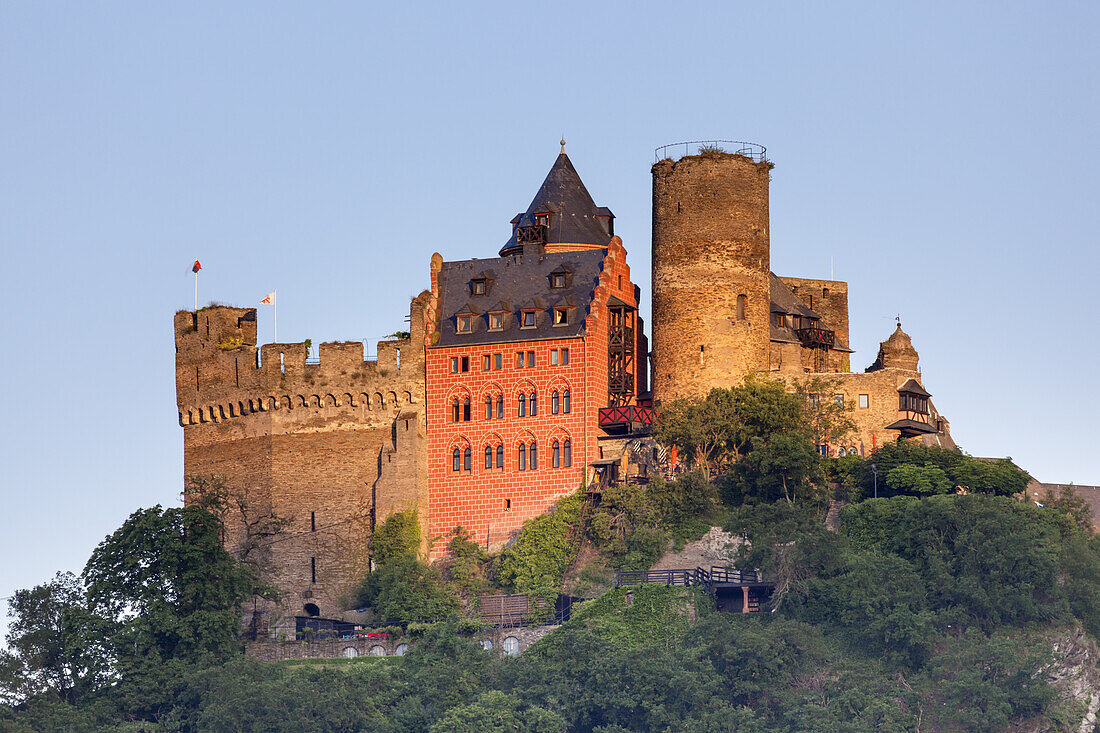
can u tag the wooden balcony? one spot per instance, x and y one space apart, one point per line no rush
816 338
625 418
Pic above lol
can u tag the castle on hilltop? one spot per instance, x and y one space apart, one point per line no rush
523 376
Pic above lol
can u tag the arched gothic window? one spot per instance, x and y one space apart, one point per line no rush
454 410
742 301
488 407
534 455
555 403
500 407
521 410
565 401
567 453
456 460
488 457
466 410
555 455
466 459
534 404
521 458
500 456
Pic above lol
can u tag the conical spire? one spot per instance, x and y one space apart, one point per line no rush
566 213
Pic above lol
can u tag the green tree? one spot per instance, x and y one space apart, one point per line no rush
704 431
1073 505
405 589
55 644
171 595
826 420
783 466
497 712
919 480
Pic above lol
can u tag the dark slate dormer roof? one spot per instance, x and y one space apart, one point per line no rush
783 300
912 387
575 218
522 282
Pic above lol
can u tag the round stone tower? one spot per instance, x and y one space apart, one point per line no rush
711 290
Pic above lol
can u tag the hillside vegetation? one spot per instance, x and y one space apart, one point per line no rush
944 605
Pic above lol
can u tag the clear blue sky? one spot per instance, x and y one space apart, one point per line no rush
943 156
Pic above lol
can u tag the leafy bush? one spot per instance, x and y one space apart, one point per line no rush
536 562
918 480
405 589
398 537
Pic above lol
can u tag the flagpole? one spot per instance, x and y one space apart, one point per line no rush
196 291
275 309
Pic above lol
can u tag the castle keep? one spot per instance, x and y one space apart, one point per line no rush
523 376
719 313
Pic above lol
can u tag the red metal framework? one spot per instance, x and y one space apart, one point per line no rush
624 415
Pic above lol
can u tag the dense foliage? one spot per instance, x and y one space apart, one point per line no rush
536 562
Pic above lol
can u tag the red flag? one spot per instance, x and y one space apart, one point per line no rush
196 267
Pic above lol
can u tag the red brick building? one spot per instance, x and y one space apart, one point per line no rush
523 351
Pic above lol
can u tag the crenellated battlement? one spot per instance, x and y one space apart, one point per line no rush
222 374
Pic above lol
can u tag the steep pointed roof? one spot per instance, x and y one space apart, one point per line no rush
574 217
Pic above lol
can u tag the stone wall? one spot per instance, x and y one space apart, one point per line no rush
710 245
334 446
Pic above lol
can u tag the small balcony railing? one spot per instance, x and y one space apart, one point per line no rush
814 337
625 415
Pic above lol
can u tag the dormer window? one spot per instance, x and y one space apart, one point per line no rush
561 316
542 220
528 319
465 324
477 287
496 321
557 280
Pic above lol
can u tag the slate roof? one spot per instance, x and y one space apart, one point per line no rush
514 283
783 300
912 387
575 218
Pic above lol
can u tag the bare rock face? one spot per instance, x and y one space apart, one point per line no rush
714 548
1075 674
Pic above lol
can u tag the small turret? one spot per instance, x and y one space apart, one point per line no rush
896 352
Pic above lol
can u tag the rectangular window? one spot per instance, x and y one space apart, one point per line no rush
553 357
864 400
507 505
454 364
519 360
530 358
561 317
496 321
528 319
565 356
479 287
486 363
465 363
839 399
313 521
496 361
465 324
557 280
313 570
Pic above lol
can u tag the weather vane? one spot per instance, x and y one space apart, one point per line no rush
563 144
